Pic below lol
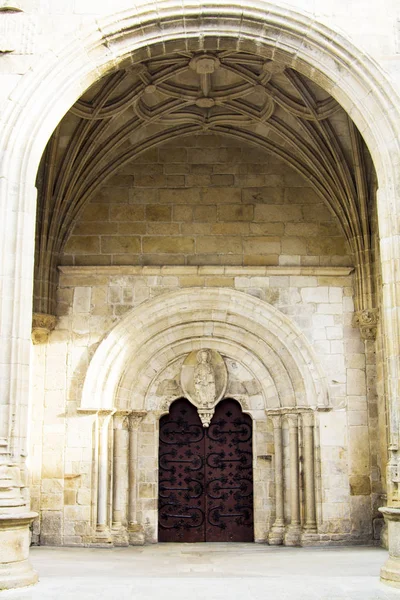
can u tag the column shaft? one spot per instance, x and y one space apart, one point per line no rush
277 531
136 535
310 524
120 470
293 531
17 235
102 485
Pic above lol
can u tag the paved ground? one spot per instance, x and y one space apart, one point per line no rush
207 571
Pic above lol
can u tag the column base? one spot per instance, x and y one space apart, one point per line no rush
292 535
102 537
309 538
136 534
120 536
15 568
276 535
390 572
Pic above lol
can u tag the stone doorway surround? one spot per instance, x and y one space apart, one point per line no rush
322 54
273 372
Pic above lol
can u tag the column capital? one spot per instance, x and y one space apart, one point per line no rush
308 419
120 419
293 420
103 415
135 418
276 420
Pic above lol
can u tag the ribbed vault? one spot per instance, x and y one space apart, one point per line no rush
226 92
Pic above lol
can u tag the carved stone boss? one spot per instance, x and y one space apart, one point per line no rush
204 379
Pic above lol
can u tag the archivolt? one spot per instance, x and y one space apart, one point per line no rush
239 325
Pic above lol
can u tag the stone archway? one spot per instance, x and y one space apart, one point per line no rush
320 53
148 338
136 374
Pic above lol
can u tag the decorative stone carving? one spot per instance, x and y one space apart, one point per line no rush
204 64
204 379
367 320
42 325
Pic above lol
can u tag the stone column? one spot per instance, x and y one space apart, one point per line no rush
102 525
17 235
120 478
136 533
389 243
276 534
310 524
293 531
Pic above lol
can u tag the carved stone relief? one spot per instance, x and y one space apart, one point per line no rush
42 326
367 320
204 379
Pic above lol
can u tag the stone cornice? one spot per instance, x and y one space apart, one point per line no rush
228 271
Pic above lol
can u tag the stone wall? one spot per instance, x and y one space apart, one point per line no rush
206 200
92 301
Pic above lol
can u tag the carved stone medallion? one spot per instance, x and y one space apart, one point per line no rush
204 378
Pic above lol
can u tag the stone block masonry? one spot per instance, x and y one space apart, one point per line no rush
206 200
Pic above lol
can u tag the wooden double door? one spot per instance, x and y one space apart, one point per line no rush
205 475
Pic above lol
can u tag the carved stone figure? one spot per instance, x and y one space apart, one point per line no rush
204 379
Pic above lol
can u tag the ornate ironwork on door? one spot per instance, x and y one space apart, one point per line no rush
205 475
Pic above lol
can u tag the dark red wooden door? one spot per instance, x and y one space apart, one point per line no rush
205 475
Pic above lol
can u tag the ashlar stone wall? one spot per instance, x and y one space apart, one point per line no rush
92 301
206 200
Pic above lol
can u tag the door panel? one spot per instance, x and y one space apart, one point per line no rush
181 475
205 475
228 475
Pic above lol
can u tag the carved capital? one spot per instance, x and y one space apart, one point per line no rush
276 421
308 419
367 320
293 420
120 419
42 325
135 418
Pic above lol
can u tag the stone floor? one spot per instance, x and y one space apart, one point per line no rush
207 571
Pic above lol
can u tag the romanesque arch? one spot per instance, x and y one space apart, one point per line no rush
156 333
135 375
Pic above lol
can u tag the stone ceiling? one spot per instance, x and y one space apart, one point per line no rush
236 94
